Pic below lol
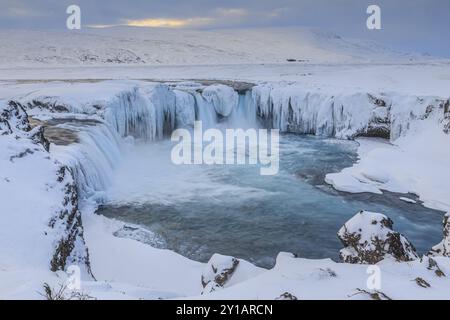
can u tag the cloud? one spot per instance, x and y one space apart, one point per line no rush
219 16
169 23
232 12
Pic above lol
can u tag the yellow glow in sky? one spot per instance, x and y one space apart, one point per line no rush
168 23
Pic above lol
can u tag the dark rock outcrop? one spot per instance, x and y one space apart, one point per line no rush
14 117
443 248
380 124
369 238
446 106
71 248
48 106
38 137
218 272
287 297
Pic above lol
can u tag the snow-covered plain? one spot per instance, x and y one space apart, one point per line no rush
338 88
149 46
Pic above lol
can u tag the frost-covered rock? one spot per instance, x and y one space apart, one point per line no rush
70 248
286 297
13 117
218 272
380 124
369 238
446 121
443 248
223 98
224 271
38 136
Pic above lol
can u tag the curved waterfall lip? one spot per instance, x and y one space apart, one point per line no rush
150 112
93 156
147 115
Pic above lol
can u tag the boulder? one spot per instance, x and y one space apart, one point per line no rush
218 272
369 237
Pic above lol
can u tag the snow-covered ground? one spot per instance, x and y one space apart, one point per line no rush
339 88
156 46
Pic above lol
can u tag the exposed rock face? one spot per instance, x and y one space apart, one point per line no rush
14 117
71 247
287 297
380 125
50 106
443 248
37 135
218 272
433 266
446 106
369 238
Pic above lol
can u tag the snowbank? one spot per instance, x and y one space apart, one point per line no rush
416 163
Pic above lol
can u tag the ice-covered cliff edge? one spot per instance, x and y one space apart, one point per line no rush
42 227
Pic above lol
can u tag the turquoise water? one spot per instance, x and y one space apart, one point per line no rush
232 210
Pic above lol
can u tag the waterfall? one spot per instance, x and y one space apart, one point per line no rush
132 114
300 111
244 116
149 113
146 116
94 158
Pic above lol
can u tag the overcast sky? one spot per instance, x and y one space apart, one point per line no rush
413 25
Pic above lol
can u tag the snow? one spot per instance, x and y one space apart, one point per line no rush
139 265
326 280
417 163
155 46
332 91
31 198
408 200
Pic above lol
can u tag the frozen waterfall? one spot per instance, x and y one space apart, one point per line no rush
149 113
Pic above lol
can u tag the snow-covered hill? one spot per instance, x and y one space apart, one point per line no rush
155 46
